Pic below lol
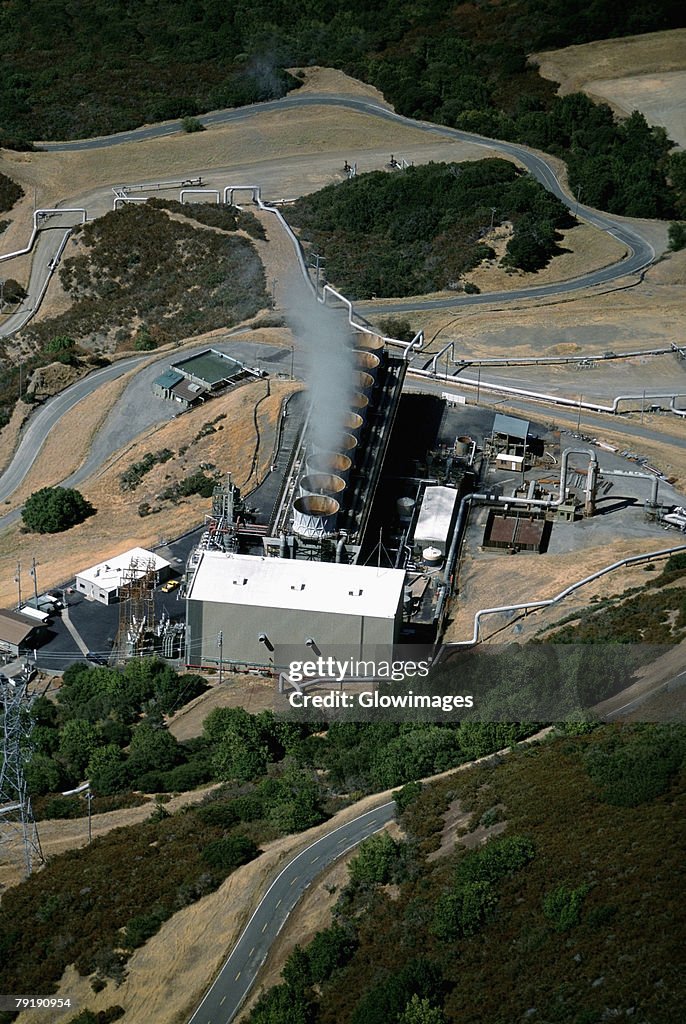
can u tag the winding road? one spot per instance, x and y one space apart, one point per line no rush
640 250
229 989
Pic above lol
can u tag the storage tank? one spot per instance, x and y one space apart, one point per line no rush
335 463
322 483
462 445
314 516
432 557
405 508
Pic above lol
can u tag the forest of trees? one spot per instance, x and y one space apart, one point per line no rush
418 230
554 916
69 72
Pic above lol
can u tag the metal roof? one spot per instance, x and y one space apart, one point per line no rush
168 379
251 580
209 366
108 575
511 426
15 627
435 515
187 391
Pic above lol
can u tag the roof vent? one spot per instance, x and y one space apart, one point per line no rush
355 593
297 586
240 582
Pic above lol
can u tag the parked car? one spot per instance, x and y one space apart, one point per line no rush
169 585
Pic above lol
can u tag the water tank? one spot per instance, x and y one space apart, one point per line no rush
335 463
322 483
463 445
314 516
405 508
432 557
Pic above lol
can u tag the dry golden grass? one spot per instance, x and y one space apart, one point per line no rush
645 73
117 526
588 249
492 578
254 693
652 52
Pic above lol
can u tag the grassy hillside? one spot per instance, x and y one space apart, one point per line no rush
568 916
68 72
141 279
419 229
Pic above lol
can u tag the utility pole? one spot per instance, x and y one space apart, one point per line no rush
17 580
643 405
478 383
578 419
274 283
89 797
32 573
579 190
220 645
493 209
292 360
318 260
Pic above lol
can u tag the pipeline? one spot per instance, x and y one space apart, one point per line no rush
532 605
554 399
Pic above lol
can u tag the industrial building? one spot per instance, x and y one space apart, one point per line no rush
264 612
509 437
191 381
18 633
435 521
103 582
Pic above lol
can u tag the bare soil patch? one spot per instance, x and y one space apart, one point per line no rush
254 693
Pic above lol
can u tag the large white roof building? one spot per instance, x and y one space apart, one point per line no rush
288 602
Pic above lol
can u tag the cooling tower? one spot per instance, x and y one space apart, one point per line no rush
363 382
322 483
334 463
314 516
366 362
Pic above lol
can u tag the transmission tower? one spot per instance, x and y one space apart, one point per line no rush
16 815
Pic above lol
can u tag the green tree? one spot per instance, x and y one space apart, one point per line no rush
229 853
42 774
376 860
677 236
152 749
54 509
107 770
420 1011
78 740
241 752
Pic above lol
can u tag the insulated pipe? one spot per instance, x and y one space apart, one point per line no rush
677 412
529 605
654 480
554 399
199 191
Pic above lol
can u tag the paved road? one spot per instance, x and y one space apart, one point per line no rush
642 252
234 981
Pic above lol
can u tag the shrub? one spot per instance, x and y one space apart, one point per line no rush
376 860
55 509
229 853
192 124
677 236
563 906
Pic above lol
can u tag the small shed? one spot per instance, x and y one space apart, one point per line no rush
515 463
18 633
509 435
103 581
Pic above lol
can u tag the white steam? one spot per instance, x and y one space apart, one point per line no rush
327 340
